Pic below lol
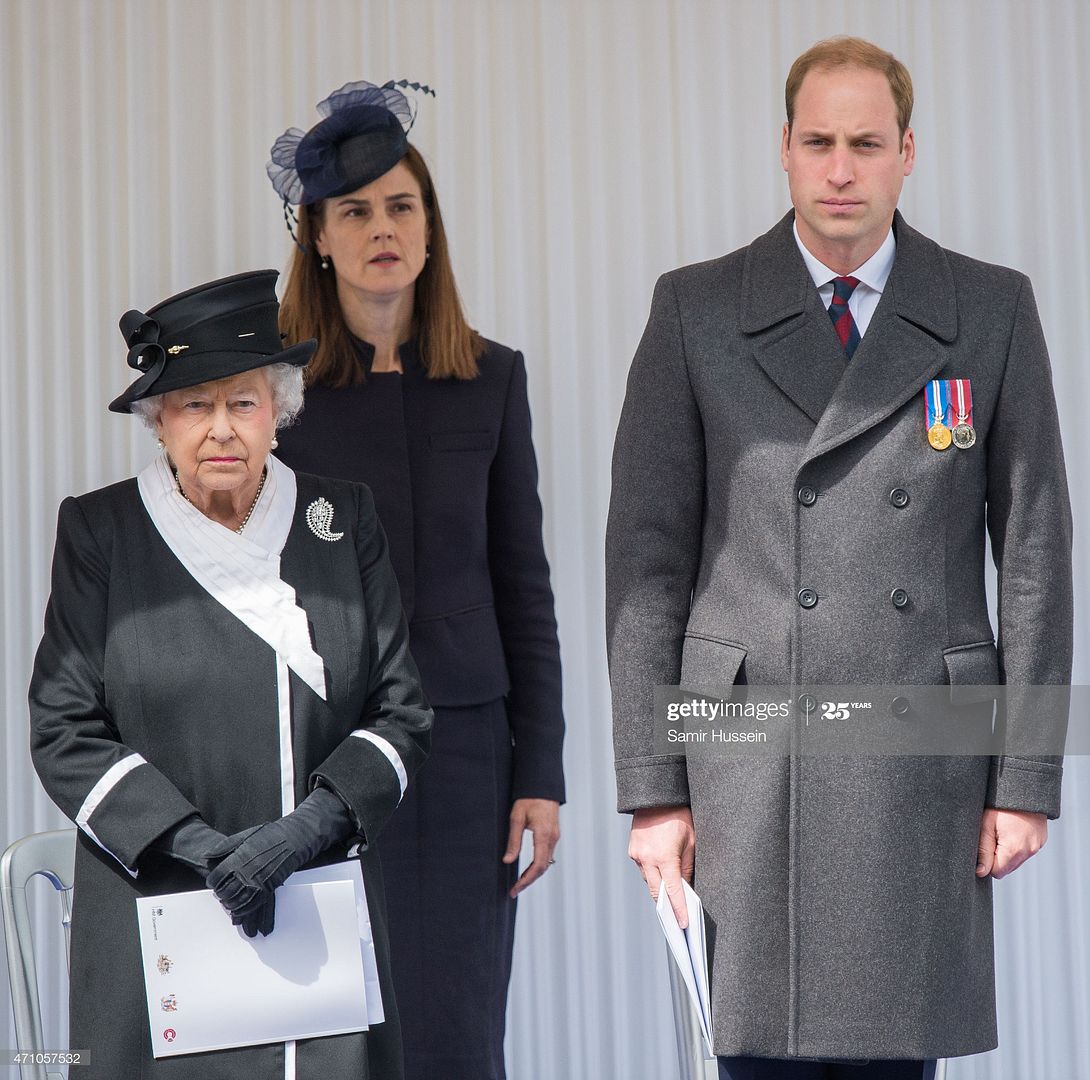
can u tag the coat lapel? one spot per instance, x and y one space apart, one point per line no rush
796 346
309 563
793 338
904 347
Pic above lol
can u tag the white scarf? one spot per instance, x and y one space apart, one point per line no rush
241 572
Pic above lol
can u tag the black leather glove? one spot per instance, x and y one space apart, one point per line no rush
197 845
245 880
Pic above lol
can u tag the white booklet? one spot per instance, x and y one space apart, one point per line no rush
689 948
352 871
209 987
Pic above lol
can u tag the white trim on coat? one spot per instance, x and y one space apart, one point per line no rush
106 783
390 753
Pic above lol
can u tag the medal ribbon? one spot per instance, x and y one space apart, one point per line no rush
963 401
936 402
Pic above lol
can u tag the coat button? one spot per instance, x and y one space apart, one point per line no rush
807 495
807 597
898 598
899 706
898 497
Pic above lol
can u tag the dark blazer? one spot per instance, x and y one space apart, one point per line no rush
452 467
754 536
150 701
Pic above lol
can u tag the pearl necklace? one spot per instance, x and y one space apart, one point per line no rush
249 513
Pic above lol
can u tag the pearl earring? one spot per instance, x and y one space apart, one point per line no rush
275 442
325 263
160 444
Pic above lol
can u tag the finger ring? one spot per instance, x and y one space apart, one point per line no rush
552 862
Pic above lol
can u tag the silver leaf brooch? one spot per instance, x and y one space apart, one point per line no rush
319 518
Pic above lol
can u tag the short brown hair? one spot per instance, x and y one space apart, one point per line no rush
840 52
448 346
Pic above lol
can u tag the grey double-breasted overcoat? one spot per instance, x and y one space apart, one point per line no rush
753 462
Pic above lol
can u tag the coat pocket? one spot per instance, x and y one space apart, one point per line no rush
711 666
972 671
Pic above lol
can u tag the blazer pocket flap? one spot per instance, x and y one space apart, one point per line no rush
710 666
973 672
461 440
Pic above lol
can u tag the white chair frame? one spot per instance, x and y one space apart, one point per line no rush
52 855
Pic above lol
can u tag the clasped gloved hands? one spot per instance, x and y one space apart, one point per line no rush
250 871
194 843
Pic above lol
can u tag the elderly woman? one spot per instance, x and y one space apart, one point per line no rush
224 691
405 396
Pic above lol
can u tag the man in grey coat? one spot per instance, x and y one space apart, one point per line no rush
790 507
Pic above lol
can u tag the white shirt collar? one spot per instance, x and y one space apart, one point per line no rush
874 273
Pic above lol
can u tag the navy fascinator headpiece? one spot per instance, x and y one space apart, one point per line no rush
362 135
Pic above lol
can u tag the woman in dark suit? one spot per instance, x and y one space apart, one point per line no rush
403 395
224 692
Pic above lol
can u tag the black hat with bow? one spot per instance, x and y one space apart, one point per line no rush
206 333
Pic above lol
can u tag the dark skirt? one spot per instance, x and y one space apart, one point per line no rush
451 922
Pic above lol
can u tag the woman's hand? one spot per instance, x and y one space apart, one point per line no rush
194 843
542 818
245 881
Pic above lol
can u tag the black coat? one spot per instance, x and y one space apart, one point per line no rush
452 467
139 662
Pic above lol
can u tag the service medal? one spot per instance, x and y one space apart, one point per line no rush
964 436
936 406
938 435
961 395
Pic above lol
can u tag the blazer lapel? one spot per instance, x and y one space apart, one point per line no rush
904 347
793 338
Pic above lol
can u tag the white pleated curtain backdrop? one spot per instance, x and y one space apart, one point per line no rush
581 148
